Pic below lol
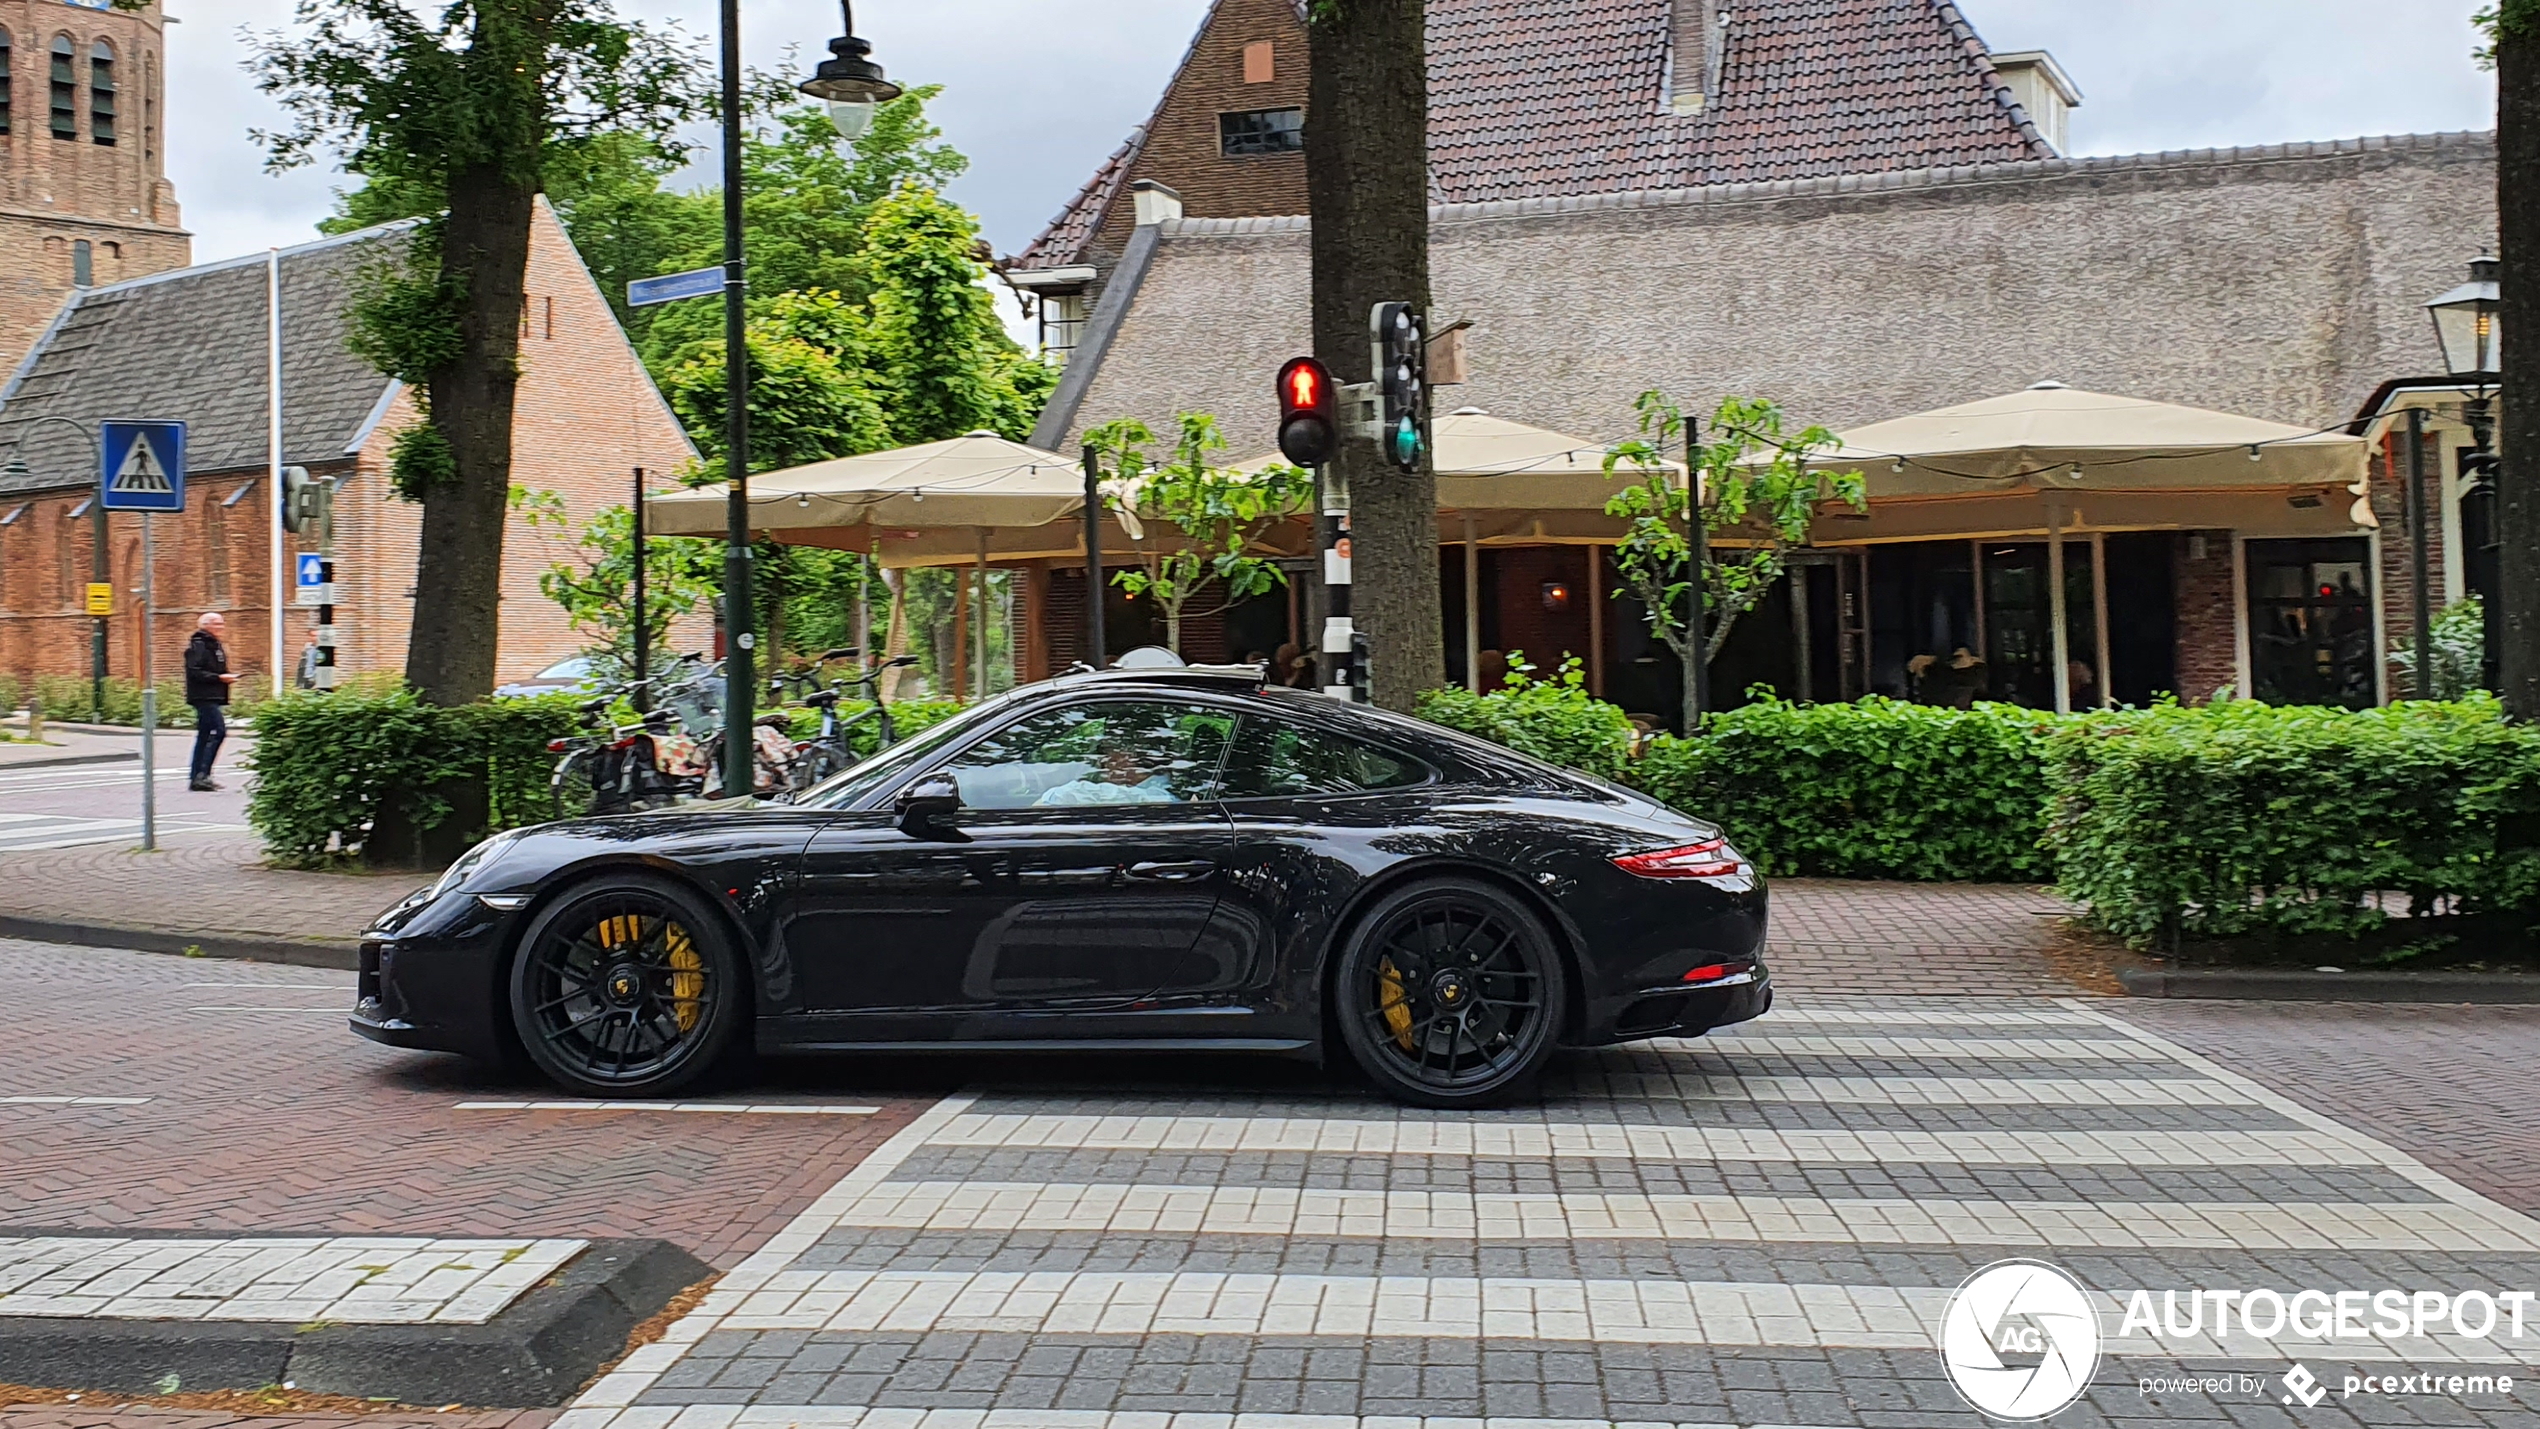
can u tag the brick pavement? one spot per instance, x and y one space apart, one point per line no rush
112 1413
1755 1228
2450 1085
242 1103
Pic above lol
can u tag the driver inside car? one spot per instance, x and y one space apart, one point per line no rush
1122 777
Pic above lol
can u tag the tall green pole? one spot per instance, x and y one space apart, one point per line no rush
740 668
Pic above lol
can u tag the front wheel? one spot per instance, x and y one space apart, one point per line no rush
1449 994
626 987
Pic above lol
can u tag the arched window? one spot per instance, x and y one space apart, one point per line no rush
65 90
4 81
101 93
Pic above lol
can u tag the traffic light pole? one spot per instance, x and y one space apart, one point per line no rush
1698 538
1340 643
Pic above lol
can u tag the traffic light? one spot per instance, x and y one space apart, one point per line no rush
1358 662
1308 417
304 500
1400 342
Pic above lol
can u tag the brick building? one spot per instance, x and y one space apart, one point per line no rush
84 196
1850 206
191 345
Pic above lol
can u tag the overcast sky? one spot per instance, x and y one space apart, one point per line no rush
1038 91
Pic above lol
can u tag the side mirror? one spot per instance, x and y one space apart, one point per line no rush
925 807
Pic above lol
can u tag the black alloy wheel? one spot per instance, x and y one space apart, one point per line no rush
1449 994
626 987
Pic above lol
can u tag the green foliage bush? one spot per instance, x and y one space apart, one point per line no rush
2238 818
1874 789
71 697
329 767
10 695
1555 720
907 718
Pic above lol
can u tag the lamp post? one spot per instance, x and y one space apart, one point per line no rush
2468 327
101 571
853 87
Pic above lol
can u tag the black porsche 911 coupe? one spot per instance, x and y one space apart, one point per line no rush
1174 859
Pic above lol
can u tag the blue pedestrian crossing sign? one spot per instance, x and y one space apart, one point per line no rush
142 466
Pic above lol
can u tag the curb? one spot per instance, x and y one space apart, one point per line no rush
7 765
343 956
537 1352
2141 979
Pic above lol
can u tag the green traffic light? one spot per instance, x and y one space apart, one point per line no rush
1406 442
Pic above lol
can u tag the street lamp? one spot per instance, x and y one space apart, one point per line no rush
2469 328
849 83
852 85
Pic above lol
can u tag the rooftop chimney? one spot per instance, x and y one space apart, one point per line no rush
1697 36
2042 88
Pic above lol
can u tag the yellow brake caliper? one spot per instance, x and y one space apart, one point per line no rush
687 970
1395 1002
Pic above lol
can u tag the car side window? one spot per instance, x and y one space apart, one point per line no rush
1110 752
1274 760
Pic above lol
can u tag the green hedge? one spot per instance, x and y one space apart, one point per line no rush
1555 720
1875 789
73 697
333 769
2238 817
907 718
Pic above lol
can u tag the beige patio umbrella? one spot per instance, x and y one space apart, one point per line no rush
968 482
2051 457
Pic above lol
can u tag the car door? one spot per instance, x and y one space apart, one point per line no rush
1079 872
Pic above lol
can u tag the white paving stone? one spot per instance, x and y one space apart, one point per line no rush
350 1280
1664 1143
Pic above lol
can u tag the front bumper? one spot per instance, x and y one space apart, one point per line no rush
430 978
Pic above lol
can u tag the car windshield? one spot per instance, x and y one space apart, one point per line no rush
573 669
846 787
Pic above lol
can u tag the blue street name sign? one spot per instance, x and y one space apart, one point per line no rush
671 287
141 466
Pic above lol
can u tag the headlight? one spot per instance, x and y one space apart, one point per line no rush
474 861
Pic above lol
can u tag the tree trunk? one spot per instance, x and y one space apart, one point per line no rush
2518 483
1173 631
1367 181
459 562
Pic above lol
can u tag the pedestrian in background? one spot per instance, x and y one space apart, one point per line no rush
307 677
207 682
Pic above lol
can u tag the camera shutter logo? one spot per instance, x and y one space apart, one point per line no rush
2020 1339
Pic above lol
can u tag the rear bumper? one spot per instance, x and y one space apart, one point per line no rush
1687 1012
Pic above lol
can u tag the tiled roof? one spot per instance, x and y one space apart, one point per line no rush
1063 242
189 345
1558 98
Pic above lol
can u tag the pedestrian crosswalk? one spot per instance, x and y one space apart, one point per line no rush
64 806
1757 1229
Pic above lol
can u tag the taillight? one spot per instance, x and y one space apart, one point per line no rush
1709 859
1717 972
558 746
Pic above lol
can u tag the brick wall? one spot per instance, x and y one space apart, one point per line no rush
2208 622
587 415
1181 148
56 193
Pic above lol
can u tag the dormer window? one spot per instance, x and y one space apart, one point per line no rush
1261 131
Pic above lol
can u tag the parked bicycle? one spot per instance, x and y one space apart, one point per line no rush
832 749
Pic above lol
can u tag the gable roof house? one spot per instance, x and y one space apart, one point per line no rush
1851 206
191 345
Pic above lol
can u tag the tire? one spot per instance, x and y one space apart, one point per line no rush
1449 993
626 986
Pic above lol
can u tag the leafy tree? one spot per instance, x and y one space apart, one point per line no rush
473 102
593 575
1219 513
939 353
810 398
2458 637
1759 492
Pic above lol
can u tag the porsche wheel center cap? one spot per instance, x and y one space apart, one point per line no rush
1450 991
625 986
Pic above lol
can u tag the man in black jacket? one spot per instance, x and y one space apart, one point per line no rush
207 682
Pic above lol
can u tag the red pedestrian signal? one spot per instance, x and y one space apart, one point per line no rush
1308 424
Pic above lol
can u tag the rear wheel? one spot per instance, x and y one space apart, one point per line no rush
1449 993
626 987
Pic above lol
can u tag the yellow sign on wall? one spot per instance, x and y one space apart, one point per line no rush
101 598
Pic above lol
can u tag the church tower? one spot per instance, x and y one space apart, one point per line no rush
84 197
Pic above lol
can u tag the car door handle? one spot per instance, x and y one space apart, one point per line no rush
1173 872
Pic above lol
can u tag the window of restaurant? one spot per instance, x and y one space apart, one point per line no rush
2310 622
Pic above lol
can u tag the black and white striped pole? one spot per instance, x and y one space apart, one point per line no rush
1340 638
